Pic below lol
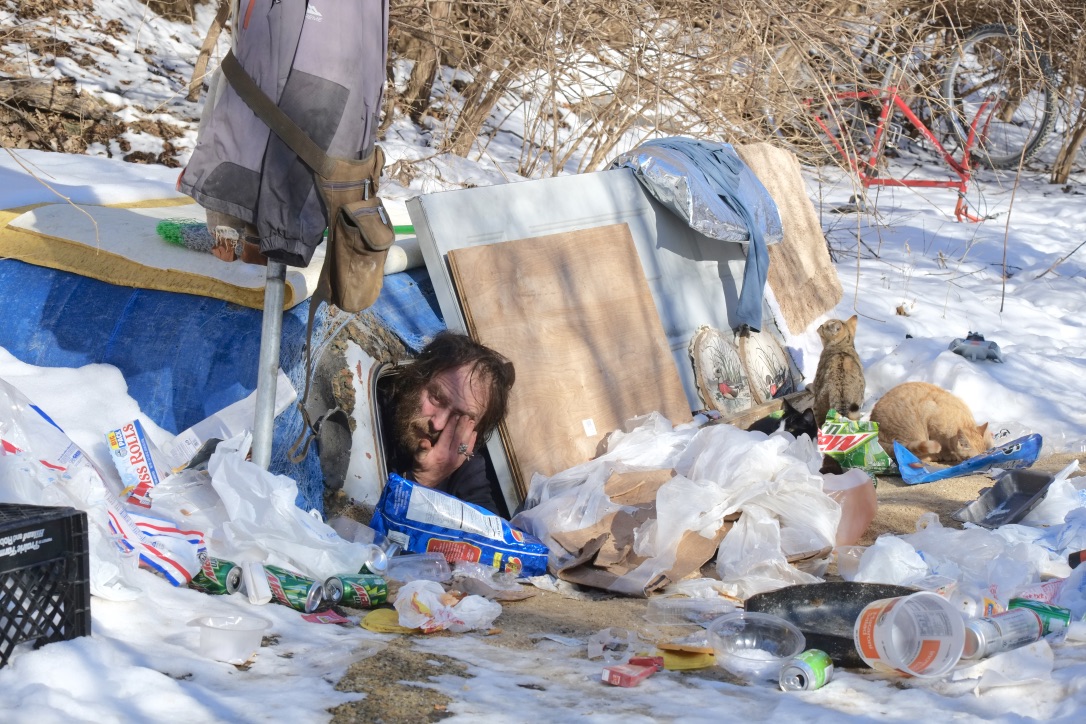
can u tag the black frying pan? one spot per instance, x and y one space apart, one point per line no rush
826 613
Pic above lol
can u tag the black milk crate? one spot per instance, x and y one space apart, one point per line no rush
44 576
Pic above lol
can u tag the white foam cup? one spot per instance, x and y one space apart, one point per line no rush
921 635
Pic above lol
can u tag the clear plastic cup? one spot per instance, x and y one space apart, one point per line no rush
921 635
418 567
754 646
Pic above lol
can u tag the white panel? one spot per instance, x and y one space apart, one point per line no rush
692 277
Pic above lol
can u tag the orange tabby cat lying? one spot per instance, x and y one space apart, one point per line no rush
930 422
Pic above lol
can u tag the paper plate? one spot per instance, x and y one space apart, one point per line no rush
767 366
718 372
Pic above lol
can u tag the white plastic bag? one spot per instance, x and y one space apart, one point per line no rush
190 499
721 470
750 556
574 499
1011 668
1061 497
426 605
1072 594
891 560
40 465
263 516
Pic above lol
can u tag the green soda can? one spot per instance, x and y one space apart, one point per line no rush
358 590
376 560
1054 620
294 589
217 576
809 671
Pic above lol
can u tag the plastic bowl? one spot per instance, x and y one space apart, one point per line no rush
232 639
754 646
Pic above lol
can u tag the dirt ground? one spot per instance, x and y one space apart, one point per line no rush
386 678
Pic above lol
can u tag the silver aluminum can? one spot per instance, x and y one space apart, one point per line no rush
993 635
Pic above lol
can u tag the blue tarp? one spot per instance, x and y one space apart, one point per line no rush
408 306
184 357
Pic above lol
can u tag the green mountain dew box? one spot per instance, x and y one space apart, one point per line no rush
854 444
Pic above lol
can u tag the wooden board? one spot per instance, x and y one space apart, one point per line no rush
574 313
801 273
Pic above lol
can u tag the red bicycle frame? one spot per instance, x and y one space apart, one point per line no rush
889 100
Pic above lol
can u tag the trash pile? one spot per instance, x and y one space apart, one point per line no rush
729 534
984 604
200 514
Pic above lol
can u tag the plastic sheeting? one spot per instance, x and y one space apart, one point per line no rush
183 357
408 306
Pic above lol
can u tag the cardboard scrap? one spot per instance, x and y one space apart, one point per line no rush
636 487
603 553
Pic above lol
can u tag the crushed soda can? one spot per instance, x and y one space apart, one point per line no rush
808 671
626 674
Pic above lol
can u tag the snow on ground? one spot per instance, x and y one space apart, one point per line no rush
140 664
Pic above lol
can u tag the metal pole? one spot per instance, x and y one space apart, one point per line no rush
268 366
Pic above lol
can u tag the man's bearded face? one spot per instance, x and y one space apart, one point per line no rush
409 424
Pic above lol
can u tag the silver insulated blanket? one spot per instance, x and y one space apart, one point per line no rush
708 186
674 170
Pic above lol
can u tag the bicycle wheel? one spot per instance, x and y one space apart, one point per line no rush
997 65
801 103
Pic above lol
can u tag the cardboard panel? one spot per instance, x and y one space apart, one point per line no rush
801 273
574 313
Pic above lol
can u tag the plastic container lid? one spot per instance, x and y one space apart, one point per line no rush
232 639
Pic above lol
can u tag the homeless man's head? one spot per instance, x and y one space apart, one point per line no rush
452 375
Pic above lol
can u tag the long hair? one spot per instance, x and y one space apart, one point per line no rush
449 350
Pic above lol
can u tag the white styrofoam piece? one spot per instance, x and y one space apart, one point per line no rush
366 470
